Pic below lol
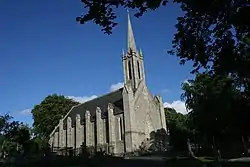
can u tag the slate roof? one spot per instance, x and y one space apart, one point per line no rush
102 102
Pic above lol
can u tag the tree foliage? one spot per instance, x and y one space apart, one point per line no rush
217 113
212 36
102 12
47 114
14 136
177 125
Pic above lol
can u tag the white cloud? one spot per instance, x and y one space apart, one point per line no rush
165 90
25 112
116 86
186 81
178 105
82 99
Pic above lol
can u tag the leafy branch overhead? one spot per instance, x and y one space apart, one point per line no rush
210 33
102 12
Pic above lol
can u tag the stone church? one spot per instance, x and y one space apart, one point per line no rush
117 122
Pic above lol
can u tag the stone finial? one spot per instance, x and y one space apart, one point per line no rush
87 113
158 98
68 119
123 52
98 109
110 106
140 53
78 116
69 122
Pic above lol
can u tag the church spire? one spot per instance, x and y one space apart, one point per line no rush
131 39
132 61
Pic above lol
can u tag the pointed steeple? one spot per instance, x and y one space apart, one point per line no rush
131 39
123 52
140 52
132 61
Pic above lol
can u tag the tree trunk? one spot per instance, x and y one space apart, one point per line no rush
2 150
190 149
216 151
244 145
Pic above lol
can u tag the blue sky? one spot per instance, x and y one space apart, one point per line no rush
44 50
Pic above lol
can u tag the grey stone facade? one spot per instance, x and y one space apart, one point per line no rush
117 122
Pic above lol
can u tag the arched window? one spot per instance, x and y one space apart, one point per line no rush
129 70
138 68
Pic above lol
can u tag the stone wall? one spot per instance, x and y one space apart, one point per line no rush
144 114
102 133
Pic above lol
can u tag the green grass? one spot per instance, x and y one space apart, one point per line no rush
206 159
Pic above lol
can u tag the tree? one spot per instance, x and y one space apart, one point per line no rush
4 129
215 109
14 136
178 129
6 124
47 114
213 38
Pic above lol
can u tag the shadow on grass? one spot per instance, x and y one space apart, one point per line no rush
108 161
61 161
202 162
